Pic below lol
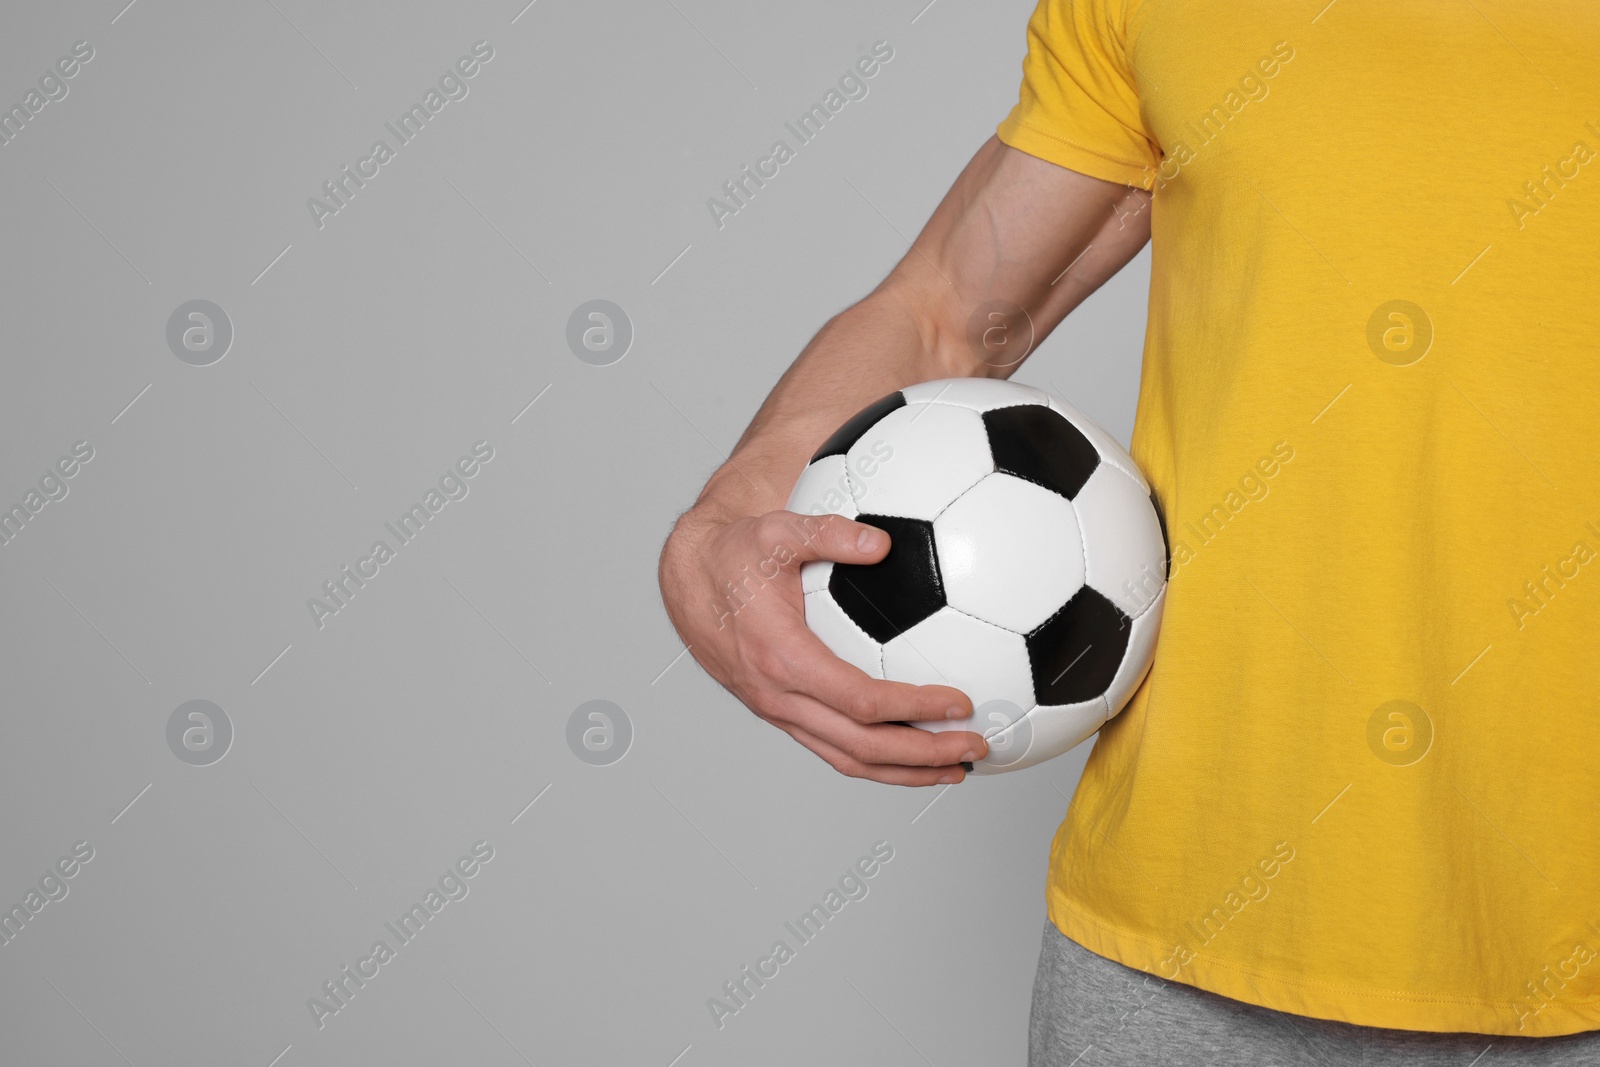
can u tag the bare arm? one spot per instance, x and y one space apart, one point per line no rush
1006 231
1013 230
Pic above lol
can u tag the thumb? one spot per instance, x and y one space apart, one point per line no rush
834 537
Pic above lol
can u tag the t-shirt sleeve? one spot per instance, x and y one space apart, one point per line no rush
1079 104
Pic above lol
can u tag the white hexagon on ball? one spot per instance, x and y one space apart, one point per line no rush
982 660
826 619
1125 557
1051 730
917 459
1010 552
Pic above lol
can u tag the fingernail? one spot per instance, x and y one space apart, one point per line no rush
957 713
968 756
867 540
948 779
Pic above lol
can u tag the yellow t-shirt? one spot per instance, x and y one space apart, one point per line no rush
1361 780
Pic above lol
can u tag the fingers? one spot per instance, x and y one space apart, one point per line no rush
769 657
811 667
878 744
817 672
888 774
832 537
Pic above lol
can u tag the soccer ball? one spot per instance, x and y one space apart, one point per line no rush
1027 564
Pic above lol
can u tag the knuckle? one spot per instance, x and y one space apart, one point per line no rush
859 705
870 749
826 530
845 765
777 527
961 744
755 657
767 710
767 662
843 533
766 524
786 711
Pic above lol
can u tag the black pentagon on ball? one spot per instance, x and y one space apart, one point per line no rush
890 596
1075 653
1039 444
858 424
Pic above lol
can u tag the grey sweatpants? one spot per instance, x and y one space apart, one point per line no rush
1089 1011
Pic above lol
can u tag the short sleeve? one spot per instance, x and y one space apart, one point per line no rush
1079 105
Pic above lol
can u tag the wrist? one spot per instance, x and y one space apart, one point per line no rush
738 490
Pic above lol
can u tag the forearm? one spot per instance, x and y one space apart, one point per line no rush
1013 232
862 354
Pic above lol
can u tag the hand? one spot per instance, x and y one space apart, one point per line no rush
732 589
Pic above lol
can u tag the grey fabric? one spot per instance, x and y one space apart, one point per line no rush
1089 1011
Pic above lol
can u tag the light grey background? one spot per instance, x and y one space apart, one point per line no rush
368 355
